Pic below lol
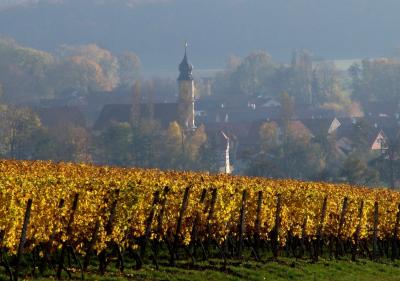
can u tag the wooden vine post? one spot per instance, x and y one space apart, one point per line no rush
276 230
210 217
68 233
303 236
22 239
90 247
159 229
339 241
319 238
149 222
162 211
375 233
395 240
109 229
194 232
258 225
95 235
242 224
185 202
49 245
354 248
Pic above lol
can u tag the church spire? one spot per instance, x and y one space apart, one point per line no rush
185 68
186 94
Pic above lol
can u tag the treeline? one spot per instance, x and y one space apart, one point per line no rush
309 82
28 75
141 144
285 149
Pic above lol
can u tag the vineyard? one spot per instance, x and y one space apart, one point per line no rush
63 216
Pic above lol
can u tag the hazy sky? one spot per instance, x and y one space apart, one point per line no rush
156 29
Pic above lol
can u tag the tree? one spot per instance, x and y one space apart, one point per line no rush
45 146
301 77
147 143
129 69
356 171
194 142
293 156
376 80
287 112
287 106
18 125
174 146
109 67
136 101
355 72
74 144
208 159
86 69
258 75
78 74
387 163
114 145
251 76
359 137
163 89
268 137
24 72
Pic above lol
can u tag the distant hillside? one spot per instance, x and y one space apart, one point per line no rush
156 29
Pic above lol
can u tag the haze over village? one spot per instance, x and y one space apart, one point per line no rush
233 87
200 140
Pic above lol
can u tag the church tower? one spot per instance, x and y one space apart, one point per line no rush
186 94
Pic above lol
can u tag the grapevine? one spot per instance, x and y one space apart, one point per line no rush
133 191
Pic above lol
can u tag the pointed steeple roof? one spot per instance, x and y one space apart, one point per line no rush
185 68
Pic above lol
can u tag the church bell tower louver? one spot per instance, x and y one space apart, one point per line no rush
186 94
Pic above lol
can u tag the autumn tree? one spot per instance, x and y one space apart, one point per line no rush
24 72
292 156
254 75
18 125
287 112
174 146
147 143
194 143
376 80
136 101
356 171
301 77
129 69
74 144
113 145
86 69
268 137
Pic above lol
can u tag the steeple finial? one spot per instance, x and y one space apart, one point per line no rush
186 46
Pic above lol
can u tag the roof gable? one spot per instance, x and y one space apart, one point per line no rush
380 141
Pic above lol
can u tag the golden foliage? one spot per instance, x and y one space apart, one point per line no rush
47 183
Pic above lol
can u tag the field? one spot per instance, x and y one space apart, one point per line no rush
60 218
284 269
